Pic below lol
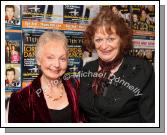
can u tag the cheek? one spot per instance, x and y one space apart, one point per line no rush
119 45
45 65
63 65
97 47
98 50
117 51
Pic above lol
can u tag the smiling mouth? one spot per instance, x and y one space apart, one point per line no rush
53 69
105 52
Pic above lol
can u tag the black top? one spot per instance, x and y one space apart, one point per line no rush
129 94
61 116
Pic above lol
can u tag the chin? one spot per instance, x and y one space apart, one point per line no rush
106 58
52 76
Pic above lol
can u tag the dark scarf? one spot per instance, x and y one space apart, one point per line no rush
99 83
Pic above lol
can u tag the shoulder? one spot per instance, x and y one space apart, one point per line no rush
21 95
91 65
71 82
142 63
138 66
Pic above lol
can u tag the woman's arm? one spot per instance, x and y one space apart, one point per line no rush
18 109
147 100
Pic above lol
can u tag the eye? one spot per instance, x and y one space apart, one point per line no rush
98 40
63 59
49 57
111 39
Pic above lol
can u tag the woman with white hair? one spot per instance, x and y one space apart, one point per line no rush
49 98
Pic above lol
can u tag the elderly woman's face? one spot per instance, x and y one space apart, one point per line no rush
107 46
53 59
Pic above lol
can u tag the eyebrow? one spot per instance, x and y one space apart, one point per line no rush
59 56
64 55
102 37
51 55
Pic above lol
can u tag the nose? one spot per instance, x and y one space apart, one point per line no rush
56 63
104 45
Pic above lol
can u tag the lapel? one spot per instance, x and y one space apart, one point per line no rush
72 98
86 93
93 68
40 109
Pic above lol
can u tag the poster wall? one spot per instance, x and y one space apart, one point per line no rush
27 22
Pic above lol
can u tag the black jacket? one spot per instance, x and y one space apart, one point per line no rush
129 98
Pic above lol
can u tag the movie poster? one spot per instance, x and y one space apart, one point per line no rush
30 69
123 11
12 51
35 19
75 41
126 14
89 12
144 41
73 13
150 10
143 26
147 54
143 18
43 13
12 17
12 77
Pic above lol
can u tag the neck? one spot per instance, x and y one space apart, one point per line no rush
51 83
52 91
110 65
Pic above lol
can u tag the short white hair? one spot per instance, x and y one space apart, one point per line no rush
49 36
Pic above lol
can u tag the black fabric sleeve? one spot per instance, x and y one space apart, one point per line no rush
18 111
147 100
